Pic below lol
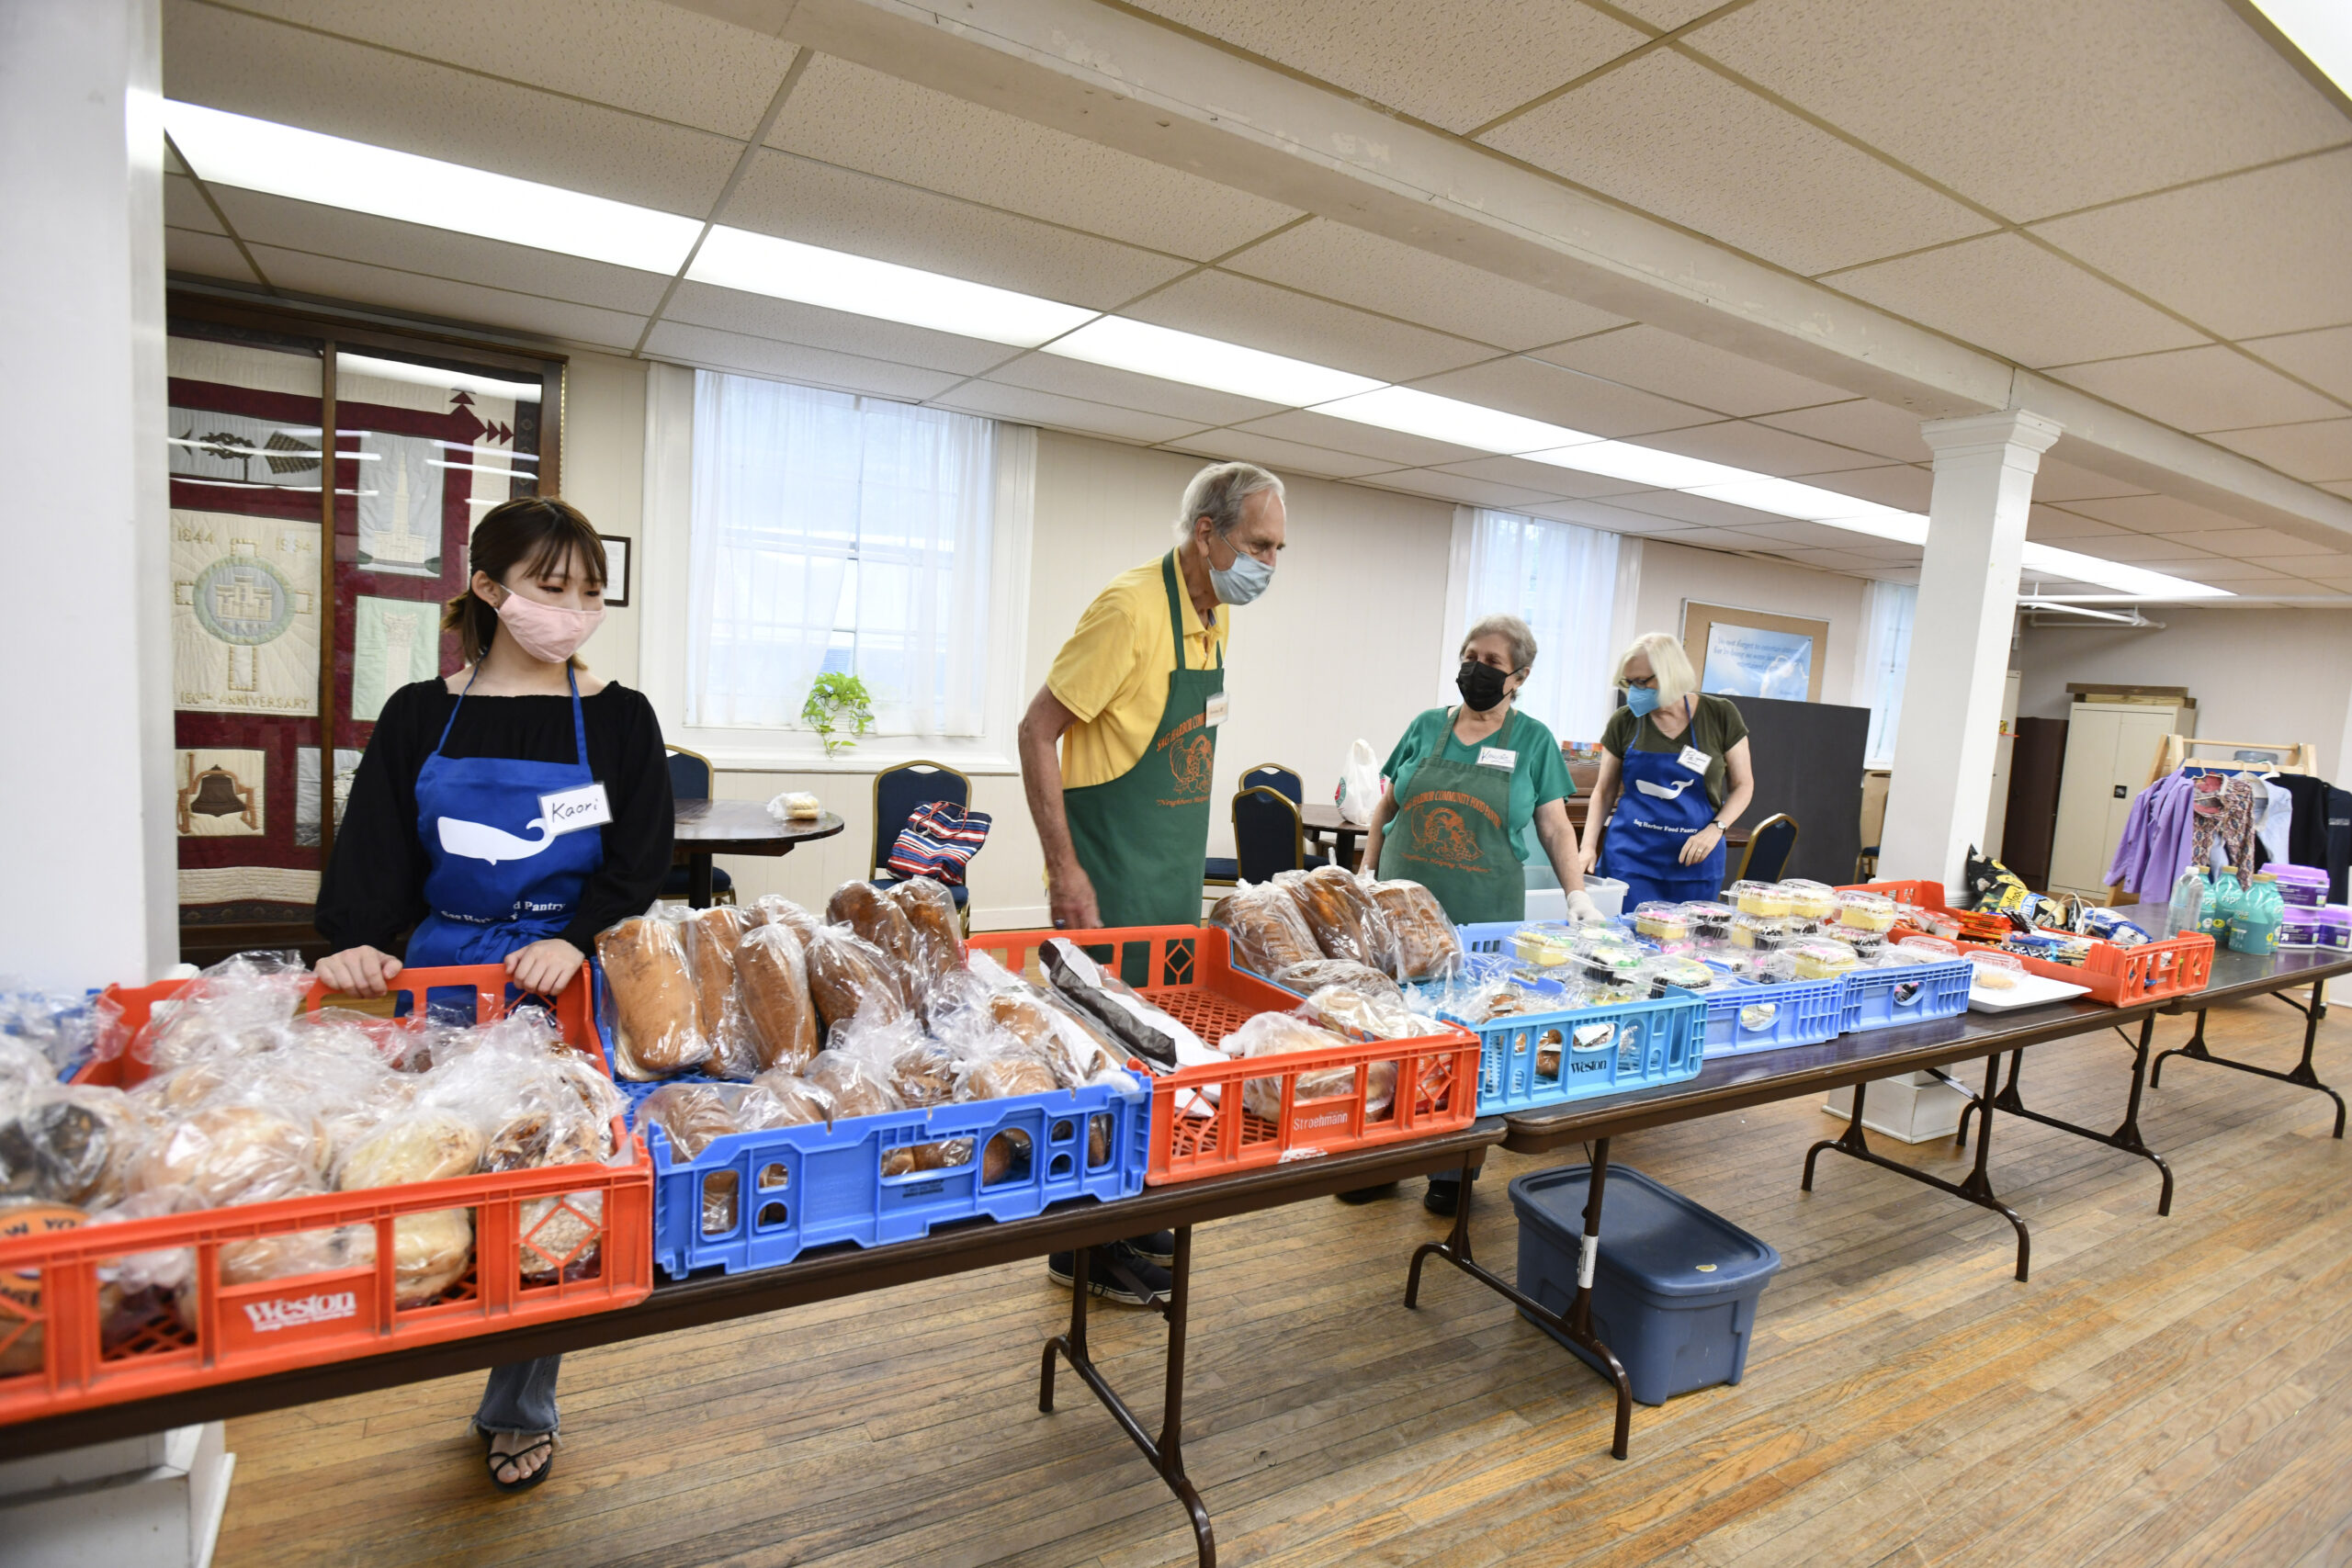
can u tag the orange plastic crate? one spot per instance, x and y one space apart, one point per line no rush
2167 967
49 1289
1189 975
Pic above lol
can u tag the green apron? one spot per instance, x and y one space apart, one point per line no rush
1143 835
1451 834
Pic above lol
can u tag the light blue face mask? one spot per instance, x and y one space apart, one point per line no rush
1243 580
1643 700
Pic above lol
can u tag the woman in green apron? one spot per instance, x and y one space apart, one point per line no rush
1465 786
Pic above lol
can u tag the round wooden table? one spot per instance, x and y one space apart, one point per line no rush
707 828
1331 832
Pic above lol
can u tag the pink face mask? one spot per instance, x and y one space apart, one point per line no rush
548 632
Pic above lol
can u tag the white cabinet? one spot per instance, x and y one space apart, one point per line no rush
2109 749
1996 811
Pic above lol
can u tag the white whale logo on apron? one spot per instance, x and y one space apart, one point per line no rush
479 841
1661 791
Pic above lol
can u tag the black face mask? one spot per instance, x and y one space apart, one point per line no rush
1481 684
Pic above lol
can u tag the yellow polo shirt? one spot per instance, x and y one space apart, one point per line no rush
1113 672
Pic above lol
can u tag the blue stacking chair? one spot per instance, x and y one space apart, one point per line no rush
1769 848
1267 835
690 780
897 792
1222 870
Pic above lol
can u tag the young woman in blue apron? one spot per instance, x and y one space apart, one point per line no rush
507 814
1674 773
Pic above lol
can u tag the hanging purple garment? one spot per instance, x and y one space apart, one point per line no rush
2131 851
2169 837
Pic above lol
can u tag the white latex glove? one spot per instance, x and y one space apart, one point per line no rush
1582 910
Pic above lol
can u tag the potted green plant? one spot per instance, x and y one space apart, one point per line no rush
838 701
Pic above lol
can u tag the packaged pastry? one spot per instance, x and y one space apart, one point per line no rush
1338 1007
1809 900
1865 911
1661 922
234 1154
1544 945
796 805
73 1144
875 916
1710 923
1867 945
1763 898
1667 973
1993 971
1340 914
929 910
772 995
1277 1033
848 973
430 1251
1763 933
1264 930
1421 939
1820 958
656 1026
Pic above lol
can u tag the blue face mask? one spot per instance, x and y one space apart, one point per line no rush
1643 700
1242 582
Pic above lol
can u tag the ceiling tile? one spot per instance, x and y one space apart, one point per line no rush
1612 519
1668 14
1672 137
1024 406
2246 543
2313 562
1866 426
282 224
1283 456
2323 359
2211 388
2321 450
2029 107
330 277
2135 547
1453 63
1375 273
2049 525
2059 481
1442 486
184 207
1829 560
205 255
249 66
1897 484
653 58
1698 373
2246 256
2154 513
1756 447
1723 540
2339 487
1699 511
1345 435
756 315
845 113
2008 295
2212 570
2333 584
1529 475
1125 389
794 362
1805 535
820 205
1238 310
1536 390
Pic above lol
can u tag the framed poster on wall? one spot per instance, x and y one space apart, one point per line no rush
1749 653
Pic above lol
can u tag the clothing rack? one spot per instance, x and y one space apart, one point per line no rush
2172 754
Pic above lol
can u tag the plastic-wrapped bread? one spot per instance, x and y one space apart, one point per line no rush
875 916
847 974
1340 914
772 993
690 1115
1422 942
791 1101
656 1028
1001 1078
929 910
430 1251
1316 973
776 909
1146 1030
856 1086
234 1154
710 936
1264 928
1277 1033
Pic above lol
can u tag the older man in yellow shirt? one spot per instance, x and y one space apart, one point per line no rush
1134 699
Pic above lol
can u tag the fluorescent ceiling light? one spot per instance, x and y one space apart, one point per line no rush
304 165
1827 507
786 269
1449 419
2060 606
2321 28
1640 464
1199 361
2135 580
434 376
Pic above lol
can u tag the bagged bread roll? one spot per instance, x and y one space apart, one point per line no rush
1001 1078
234 1154
1316 973
776 909
656 1030
929 910
875 916
848 973
1422 939
1340 914
945 1155
1264 929
70 1144
20 1293
1276 1034
1338 1007
300 1252
691 1115
430 1251
771 991
856 1086
710 936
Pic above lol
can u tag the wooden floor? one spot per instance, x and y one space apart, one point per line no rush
2164 1390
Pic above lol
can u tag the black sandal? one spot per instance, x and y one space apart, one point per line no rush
493 1460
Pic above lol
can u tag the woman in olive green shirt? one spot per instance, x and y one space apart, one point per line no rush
1684 754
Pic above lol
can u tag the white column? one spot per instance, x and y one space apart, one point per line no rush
1960 641
87 855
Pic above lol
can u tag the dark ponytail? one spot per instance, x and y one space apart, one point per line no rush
540 531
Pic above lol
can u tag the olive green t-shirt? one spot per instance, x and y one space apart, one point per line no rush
1540 774
1715 728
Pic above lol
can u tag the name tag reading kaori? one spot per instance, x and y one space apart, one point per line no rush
569 810
1498 757
1218 704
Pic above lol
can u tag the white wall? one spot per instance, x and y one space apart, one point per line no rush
604 474
2264 675
1672 573
87 855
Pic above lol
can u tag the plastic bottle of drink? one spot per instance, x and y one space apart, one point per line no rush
2253 924
2226 896
2189 895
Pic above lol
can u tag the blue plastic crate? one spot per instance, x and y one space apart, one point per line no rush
797 1188
1881 999
1599 1050
1767 1018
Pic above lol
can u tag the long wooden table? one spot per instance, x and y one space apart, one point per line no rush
1735 1083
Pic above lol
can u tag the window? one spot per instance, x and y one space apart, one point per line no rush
1574 587
837 533
1887 660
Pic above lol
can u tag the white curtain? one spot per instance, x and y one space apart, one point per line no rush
833 532
1887 609
1566 583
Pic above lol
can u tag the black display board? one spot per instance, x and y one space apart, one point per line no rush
1808 763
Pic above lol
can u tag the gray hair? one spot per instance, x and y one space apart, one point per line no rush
1512 630
1216 493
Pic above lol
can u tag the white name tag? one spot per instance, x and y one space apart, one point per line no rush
1497 757
1694 759
1219 705
569 810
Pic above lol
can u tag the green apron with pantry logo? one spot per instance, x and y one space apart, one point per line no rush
1143 835
1452 835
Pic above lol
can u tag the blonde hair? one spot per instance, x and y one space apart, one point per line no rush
1676 678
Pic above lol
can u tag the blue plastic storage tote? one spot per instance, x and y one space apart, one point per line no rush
1674 1286
1881 999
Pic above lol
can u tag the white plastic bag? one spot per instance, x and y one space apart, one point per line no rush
1359 785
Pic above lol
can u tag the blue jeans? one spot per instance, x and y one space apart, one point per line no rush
520 1397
